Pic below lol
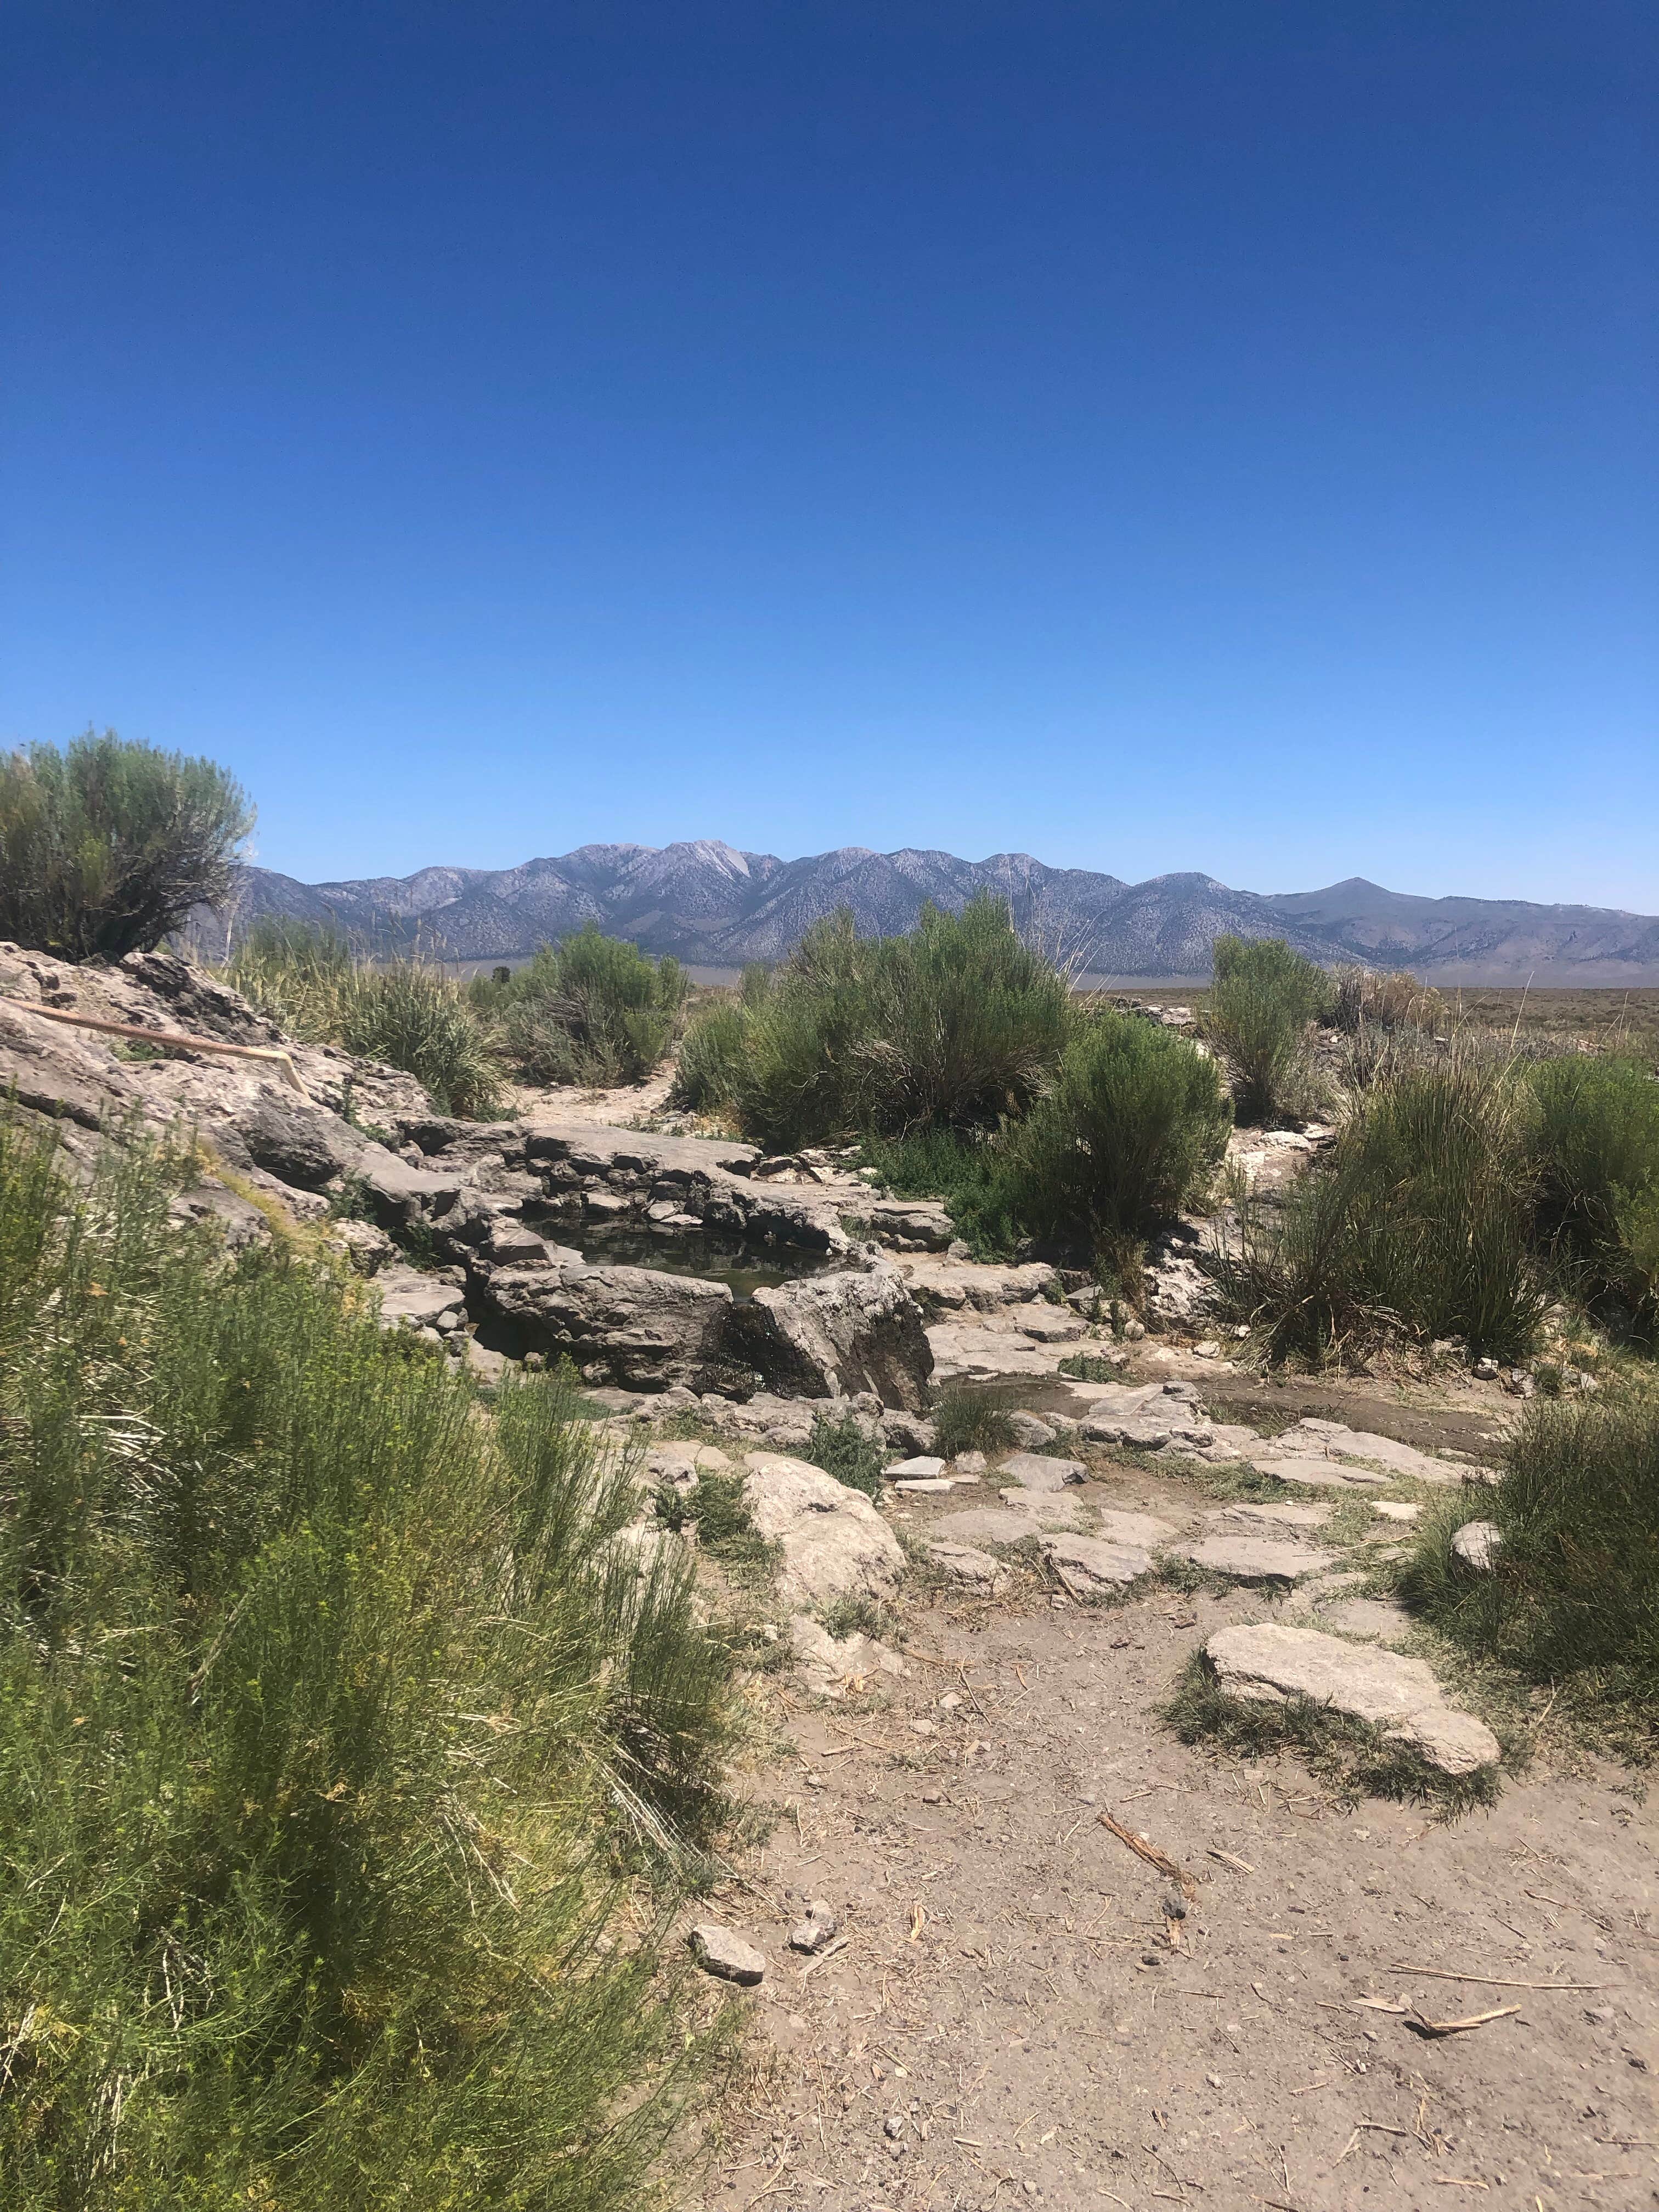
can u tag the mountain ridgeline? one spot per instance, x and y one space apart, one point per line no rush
715 907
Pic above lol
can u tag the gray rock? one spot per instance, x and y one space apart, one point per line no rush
407 1297
1094 1562
634 1327
295 1143
963 1563
833 1665
1393 1508
923 1467
1271 1664
834 1542
1256 1558
817 1927
1030 1432
1477 1544
1269 1516
725 1955
1036 1471
1378 1618
829 1336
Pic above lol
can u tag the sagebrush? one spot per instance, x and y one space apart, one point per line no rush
107 846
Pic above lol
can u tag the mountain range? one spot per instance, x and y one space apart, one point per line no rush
717 907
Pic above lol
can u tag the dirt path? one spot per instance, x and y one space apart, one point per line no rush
1008 2022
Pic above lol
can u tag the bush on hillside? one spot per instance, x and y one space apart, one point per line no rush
1575 1589
335 1720
956 1025
1260 1005
592 1010
107 846
307 978
1418 1224
1597 1145
1132 1130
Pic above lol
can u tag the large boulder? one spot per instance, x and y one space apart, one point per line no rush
834 1543
630 1327
832 1336
1271 1664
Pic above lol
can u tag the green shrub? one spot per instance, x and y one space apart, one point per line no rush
307 978
335 1721
592 1010
1574 1591
1418 1224
709 1068
846 1450
1597 1144
970 1420
956 1025
1132 1130
970 1173
107 846
1262 999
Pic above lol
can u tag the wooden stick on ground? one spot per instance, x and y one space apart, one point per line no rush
180 1040
1184 1881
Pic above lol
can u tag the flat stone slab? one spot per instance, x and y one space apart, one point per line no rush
722 1952
1046 1509
963 1563
1394 1508
1268 1515
1094 1562
934 1486
1039 1471
1313 1472
1268 1663
987 1524
1379 1619
1257 1558
914 1470
1335 1440
1144 1529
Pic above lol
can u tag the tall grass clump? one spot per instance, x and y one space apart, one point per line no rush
1262 1003
107 845
956 1025
1597 1145
306 976
592 1010
1574 1592
338 1718
1133 1129
1416 1226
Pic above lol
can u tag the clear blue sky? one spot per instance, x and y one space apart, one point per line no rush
1152 436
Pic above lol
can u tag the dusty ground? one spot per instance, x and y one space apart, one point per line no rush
1008 2021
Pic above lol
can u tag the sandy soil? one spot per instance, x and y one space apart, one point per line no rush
1015 2016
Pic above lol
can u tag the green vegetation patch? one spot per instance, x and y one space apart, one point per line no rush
592 1010
336 1722
107 846
1573 1596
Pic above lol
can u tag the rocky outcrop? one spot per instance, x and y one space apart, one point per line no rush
830 1336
